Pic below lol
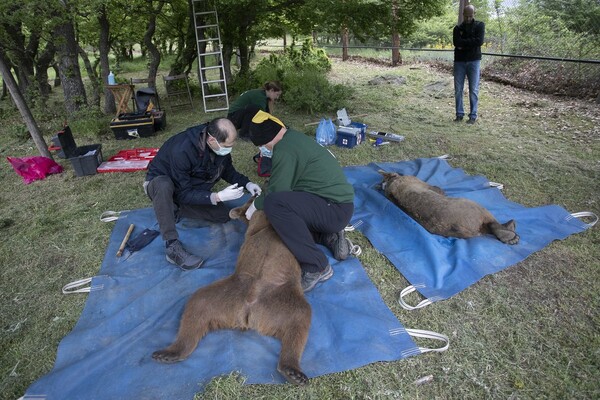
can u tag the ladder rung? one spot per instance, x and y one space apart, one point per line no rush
207 26
214 81
206 12
215 95
211 53
213 67
216 109
208 40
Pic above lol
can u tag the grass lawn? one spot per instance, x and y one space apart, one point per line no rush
530 331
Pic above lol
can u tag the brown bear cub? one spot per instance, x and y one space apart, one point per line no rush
264 293
442 215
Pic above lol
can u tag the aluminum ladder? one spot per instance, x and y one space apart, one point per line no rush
211 71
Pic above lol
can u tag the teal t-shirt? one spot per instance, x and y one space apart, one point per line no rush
300 164
257 97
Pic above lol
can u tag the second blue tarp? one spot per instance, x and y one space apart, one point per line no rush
440 267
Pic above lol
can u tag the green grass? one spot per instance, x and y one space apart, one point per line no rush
530 331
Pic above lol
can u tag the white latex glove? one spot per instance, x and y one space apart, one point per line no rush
230 193
253 188
250 211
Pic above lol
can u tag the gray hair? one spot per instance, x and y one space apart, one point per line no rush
220 129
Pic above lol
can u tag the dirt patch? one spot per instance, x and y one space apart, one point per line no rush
568 79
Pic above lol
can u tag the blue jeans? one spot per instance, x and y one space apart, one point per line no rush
470 69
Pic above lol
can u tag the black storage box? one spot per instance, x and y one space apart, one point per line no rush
85 159
132 126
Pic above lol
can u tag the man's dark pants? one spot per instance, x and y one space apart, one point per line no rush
161 190
300 218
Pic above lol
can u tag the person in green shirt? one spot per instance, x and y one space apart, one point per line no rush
245 107
308 199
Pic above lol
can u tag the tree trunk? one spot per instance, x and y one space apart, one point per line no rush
68 63
149 43
244 58
20 57
103 50
461 7
95 100
396 58
57 82
41 66
186 47
227 54
344 43
34 130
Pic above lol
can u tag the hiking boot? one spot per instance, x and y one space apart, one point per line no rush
458 119
471 121
339 245
310 279
179 256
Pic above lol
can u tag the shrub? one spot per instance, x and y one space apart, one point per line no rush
309 90
303 74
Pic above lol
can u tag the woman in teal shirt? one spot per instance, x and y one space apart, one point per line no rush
245 107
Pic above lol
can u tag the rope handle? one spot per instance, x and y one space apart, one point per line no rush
354 226
419 333
586 214
78 286
497 185
110 216
408 290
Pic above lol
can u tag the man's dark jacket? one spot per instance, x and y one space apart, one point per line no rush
193 167
467 39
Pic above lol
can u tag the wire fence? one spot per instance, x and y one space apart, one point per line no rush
547 45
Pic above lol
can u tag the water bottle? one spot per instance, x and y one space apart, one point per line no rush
111 79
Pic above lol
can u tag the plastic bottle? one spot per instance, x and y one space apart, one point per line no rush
111 79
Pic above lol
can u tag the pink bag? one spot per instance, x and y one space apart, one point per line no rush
34 168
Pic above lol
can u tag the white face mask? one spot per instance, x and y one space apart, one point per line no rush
265 152
222 151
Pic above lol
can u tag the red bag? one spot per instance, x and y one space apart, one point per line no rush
263 167
34 168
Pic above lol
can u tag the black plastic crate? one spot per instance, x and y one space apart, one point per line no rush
67 142
87 159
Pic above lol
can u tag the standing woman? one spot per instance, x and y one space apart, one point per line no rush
245 107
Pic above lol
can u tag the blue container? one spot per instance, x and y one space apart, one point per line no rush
345 139
363 129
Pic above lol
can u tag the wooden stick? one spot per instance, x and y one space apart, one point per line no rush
125 239
351 116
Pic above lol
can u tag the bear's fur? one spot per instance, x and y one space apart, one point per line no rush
264 293
442 215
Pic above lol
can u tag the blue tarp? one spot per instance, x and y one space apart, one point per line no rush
137 300
441 267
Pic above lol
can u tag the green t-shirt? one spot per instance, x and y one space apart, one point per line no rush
300 164
257 97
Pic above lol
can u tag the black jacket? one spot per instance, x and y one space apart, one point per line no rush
467 39
193 167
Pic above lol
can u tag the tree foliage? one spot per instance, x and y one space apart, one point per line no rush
107 31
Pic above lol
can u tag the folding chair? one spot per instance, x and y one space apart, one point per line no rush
143 95
178 91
